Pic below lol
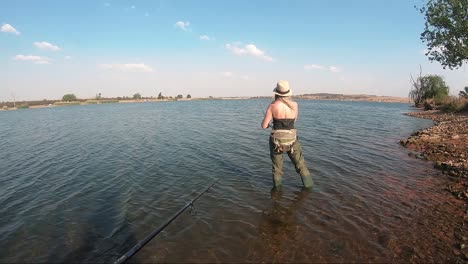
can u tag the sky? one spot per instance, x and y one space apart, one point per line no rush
212 48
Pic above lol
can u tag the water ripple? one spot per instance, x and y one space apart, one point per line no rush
87 188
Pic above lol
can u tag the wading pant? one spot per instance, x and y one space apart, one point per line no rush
297 159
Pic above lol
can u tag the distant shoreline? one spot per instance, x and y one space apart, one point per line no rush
354 97
8 106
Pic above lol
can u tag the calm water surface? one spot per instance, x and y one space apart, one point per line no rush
85 183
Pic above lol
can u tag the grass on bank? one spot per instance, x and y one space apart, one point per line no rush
447 104
454 105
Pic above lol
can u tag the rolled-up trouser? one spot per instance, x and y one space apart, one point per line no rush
297 159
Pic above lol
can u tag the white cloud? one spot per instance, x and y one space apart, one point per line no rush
249 49
182 25
313 67
42 62
204 37
46 46
33 58
129 67
309 67
68 57
229 74
7 28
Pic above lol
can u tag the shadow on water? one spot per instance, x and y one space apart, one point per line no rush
279 227
102 237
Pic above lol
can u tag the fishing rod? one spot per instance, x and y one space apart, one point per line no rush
125 257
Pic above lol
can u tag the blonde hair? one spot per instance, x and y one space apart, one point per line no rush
285 99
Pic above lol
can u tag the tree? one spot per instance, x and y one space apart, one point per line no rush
446 32
436 87
160 96
98 96
427 87
189 96
464 93
69 97
417 91
137 96
179 96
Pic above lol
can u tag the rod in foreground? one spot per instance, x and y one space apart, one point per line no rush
124 258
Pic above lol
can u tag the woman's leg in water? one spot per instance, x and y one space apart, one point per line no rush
298 159
277 165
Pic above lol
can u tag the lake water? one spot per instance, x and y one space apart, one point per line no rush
86 183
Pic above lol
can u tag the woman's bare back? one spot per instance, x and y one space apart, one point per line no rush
279 110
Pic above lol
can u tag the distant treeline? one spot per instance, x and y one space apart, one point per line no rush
334 96
28 103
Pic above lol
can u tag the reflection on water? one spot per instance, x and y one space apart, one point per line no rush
280 229
85 183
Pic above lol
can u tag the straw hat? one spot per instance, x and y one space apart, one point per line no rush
282 89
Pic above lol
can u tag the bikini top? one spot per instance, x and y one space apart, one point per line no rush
284 123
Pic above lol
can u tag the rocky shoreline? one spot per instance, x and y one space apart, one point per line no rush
445 144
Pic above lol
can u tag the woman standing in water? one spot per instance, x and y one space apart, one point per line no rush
283 137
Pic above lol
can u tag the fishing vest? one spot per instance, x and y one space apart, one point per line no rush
283 140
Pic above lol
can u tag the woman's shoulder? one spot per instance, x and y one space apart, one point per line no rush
274 103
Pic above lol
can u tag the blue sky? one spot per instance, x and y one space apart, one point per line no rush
211 48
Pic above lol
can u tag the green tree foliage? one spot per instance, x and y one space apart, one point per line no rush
160 96
446 31
436 87
464 93
428 87
69 98
98 96
189 96
137 96
179 96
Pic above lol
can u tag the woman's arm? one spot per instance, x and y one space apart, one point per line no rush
296 110
267 118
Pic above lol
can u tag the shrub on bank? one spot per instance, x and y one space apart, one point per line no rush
442 99
454 105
